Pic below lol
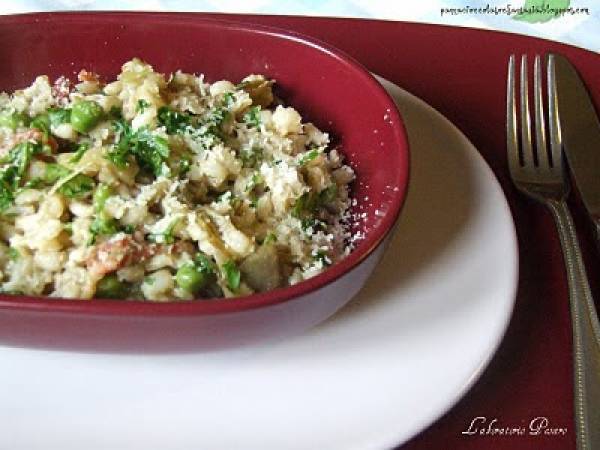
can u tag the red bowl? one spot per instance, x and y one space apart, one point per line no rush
326 86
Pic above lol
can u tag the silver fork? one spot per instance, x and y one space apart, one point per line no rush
540 174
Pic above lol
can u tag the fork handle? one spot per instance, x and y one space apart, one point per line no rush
586 333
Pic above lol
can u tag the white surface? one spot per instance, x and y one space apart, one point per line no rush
577 29
392 361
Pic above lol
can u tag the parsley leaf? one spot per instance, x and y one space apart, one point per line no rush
6 194
55 172
252 157
254 181
204 264
141 106
252 116
322 256
228 99
77 186
150 151
173 121
166 237
309 202
16 161
232 275
307 157
81 149
103 226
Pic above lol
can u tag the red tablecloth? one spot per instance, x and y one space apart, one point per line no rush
462 73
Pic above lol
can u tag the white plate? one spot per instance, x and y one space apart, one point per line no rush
386 366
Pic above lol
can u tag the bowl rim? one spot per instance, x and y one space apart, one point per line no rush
108 307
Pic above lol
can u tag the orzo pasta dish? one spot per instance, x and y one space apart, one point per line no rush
163 188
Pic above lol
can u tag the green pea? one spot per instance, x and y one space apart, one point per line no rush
58 116
102 193
190 279
13 119
85 115
42 123
111 287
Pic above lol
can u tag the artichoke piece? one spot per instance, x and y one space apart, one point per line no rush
261 269
259 89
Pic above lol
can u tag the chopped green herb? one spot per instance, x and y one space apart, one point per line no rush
253 200
322 256
13 119
270 238
102 193
204 263
305 205
228 99
254 181
119 153
149 281
252 116
251 158
77 186
129 229
184 165
115 113
16 164
13 254
42 123
150 151
167 236
173 121
102 226
6 195
217 116
308 203
34 183
81 149
141 106
55 172
307 157
232 275
312 223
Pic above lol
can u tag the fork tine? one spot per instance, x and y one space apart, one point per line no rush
540 123
512 142
525 116
553 123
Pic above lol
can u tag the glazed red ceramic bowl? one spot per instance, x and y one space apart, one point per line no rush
326 86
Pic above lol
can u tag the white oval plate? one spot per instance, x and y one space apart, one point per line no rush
386 366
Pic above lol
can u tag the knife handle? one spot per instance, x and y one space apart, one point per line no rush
596 223
586 333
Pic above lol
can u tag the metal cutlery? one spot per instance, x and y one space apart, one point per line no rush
580 135
539 172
